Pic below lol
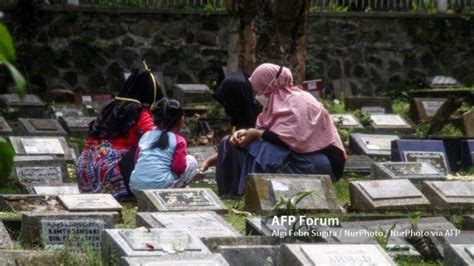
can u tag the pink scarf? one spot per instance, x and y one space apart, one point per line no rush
293 114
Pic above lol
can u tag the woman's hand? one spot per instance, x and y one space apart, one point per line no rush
243 137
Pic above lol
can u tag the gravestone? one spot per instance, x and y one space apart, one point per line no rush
468 119
343 87
39 127
450 195
386 195
263 191
459 254
149 242
177 260
316 254
67 110
250 254
5 239
423 109
179 199
30 106
316 88
441 82
371 144
76 125
39 172
415 171
30 203
33 146
360 164
56 190
5 129
437 159
53 230
367 104
467 153
201 224
192 93
346 121
90 202
389 123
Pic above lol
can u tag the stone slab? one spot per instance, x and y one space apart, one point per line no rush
55 146
389 124
90 202
250 255
386 195
316 254
53 230
67 110
263 191
423 109
201 224
442 82
76 125
5 239
39 127
380 105
39 172
415 171
177 260
450 195
184 199
360 164
57 190
436 159
372 145
30 106
5 128
346 121
459 254
192 93
30 203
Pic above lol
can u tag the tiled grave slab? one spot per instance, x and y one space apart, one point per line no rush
436 159
346 121
372 145
39 127
450 195
250 255
54 146
5 128
458 254
90 202
384 195
30 203
315 254
423 109
178 260
30 106
201 224
360 164
39 172
56 190
389 123
184 199
263 191
374 105
192 93
76 125
5 239
414 171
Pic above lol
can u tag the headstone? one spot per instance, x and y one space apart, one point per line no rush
423 109
360 164
177 260
250 255
373 105
149 242
442 82
386 195
55 146
389 123
371 145
39 172
201 224
30 203
56 190
67 110
343 87
316 88
192 93
459 254
316 254
346 121
450 195
55 230
90 202
468 119
263 191
467 153
39 127
76 125
5 239
184 199
415 171
5 129
30 106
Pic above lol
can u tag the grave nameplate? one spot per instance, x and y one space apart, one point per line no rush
39 127
5 240
5 129
442 82
77 125
346 121
422 109
431 107
192 93
372 145
436 159
65 110
358 164
450 195
379 190
388 120
90 202
43 124
373 109
56 233
13 100
178 260
57 190
416 171
39 172
41 146
380 105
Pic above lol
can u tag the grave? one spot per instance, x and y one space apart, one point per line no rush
386 195
468 120
450 195
201 152
263 191
346 121
441 82
150 242
316 254
371 145
430 151
5 239
5 128
90 202
176 260
201 224
39 127
415 171
423 109
192 93
459 254
53 230
39 172
30 203
343 87
78 126
54 146
316 88
180 199
360 164
367 104
389 123
56 190
250 255
467 153
67 110
30 106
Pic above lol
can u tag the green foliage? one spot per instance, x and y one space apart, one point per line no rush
334 107
288 206
335 7
382 237
7 56
364 118
6 161
401 107
414 217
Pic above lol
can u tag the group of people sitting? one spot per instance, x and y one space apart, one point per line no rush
135 143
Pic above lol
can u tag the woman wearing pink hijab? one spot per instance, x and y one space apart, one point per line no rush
293 134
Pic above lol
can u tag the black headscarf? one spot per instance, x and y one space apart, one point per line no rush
140 91
236 95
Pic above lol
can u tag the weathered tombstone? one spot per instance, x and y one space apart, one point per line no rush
441 82
423 109
459 254
55 230
30 203
342 87
5 129
192 93
56 190
316 254
450 195
346 121
263 191
39 172
386 195
5 239
389 123
468 119
373 105
90 202
431 151
66 110
467 153
415 171
360 164
149 242
76 125
371 145
250 255
185 259
39 127
30 106
54 146
201 224
179 199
